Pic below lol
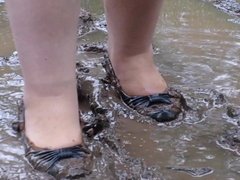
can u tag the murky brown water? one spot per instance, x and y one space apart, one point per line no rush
198 50
6 43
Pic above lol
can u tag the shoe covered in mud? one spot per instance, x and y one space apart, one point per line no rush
68 163
162 107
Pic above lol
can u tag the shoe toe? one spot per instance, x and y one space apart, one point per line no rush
67 163
72 168
164 115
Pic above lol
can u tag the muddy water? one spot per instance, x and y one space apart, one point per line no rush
197 49
6 43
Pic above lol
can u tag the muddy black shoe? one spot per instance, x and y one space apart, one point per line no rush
68 163
162 107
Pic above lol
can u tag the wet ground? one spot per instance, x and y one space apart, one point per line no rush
231 7
197 49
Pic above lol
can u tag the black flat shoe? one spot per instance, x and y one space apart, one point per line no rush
162 107
69 163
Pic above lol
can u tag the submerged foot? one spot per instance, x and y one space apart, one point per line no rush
142 87
52 136
137 74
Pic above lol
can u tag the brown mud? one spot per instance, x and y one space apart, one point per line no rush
231 7
125 145
107 112
102 112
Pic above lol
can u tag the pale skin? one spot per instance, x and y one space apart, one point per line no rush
45 38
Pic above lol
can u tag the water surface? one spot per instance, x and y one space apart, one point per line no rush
197 51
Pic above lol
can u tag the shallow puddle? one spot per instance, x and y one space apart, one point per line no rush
197 49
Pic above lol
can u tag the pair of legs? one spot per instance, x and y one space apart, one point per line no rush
45 37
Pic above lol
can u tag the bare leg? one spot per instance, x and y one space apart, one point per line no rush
45 37
131 25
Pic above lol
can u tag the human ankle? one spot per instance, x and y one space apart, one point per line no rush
52 125
52 121
121 55
137 73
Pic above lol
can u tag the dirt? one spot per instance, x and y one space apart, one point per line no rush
107 111
102 114
231 7
230 140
